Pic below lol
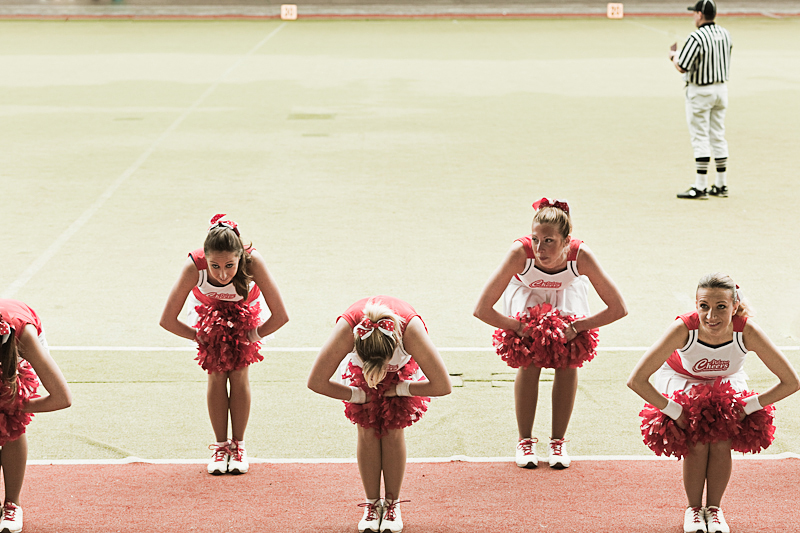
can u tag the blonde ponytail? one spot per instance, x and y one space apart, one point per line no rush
376 349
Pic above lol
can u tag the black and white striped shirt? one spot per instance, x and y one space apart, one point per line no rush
706 56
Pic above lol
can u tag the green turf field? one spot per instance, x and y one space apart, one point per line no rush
396 157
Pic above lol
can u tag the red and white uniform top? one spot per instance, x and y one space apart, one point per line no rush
204 291
698 362
355 313
19 315
565 289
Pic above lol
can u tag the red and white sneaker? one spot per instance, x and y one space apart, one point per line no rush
715 521
391 521
694 520
12 518
237 464
526 453
558 457
219 460
371 521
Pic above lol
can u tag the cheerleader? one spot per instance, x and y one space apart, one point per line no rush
698 405
233 304
24 362
546 322
388 367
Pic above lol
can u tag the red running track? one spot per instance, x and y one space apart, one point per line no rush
591 496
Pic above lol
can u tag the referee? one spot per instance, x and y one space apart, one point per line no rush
705 62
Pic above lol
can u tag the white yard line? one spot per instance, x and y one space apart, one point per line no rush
453 459
316 349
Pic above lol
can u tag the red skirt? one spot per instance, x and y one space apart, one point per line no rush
12 419
545 346
379 412
224 327
713 412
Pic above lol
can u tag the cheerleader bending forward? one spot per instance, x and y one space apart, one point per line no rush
233 304
698 406
25 361
545 321
386 368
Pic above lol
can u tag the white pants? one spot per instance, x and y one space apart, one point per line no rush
705 113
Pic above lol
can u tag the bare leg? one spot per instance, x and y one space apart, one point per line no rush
695 466
393 450
565 387
526 394
368 452
718 473
217 399
239 402
13 459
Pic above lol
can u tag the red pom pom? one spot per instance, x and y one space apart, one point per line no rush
757 430
381 413
223 326
545 345
12 419
712 412
661 433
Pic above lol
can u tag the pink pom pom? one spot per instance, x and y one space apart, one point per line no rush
757 430
545 345
12 419
223 326
381 413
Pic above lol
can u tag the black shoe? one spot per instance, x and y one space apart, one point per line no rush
694 194
722 192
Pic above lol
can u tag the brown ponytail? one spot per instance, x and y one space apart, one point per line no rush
9 360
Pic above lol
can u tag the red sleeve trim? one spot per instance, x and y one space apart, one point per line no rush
574 247
199 258
692 319
738 323
527 244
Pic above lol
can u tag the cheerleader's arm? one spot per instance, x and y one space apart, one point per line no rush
58 394
418 343
757 341
177 297
335 349
513 263
639 381
607 291
269 289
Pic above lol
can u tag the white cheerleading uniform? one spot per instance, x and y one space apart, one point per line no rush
565 290
699 363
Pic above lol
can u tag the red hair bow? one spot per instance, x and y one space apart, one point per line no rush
558 204
216 220
365 328
5 330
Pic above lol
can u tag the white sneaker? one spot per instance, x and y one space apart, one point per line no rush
716 521
371 521
558 457
219 460
526 453
391 521
237 464
694 520
12 518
